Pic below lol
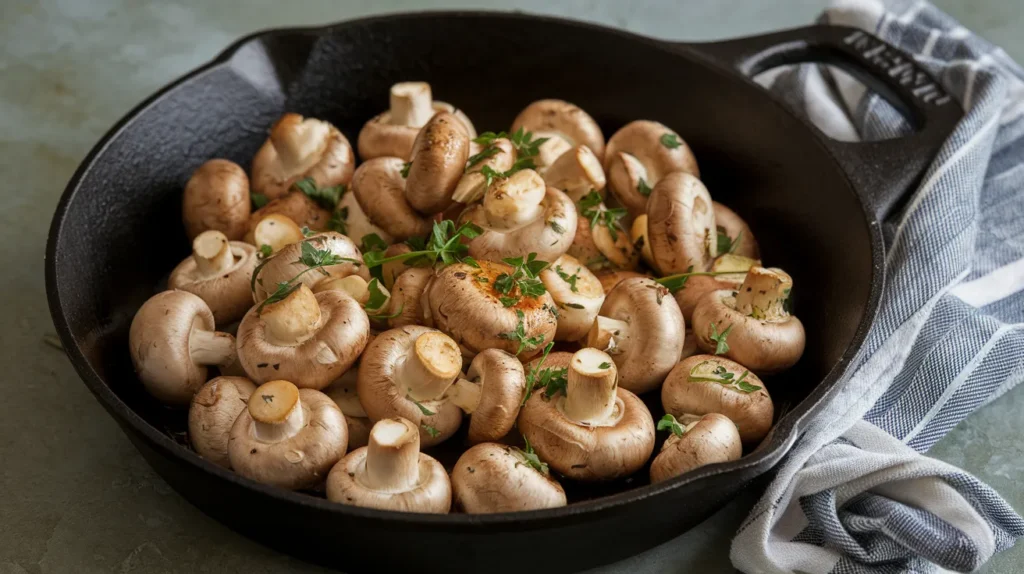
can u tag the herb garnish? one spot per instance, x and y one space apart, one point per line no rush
487 152
644 189
307 232
405 169
669 423
523 281
721 346
531 457
433 432
605 365
722 376
678 281
726 244
339 221
422 408
312 258
526 149
519 335
570 279
591 208
258 200
445 244
327 197
265 251
670 140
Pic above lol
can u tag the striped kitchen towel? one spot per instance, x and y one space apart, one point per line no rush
856 494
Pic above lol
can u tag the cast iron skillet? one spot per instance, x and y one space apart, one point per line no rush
814 204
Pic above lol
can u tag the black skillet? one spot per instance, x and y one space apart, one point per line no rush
814 204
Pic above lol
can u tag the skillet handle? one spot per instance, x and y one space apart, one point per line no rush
883 171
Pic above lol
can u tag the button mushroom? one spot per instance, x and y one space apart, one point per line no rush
596 430
704 384
345 394
638 156
315 258
709 439
609 278
275 231
735 231
309 338
172 342
391 473
212 413
600 241
407 297
350 220
380 189
490 393
287 437
393 132
493 477
520 214
762 334
641 327
218 272
564 124
437 162
299 148
216 198
577 172
404 373
499 156
577 294
733 269
681 225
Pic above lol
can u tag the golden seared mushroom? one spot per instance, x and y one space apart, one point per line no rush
218 272
577 294
734 235
350 219
499 156
681 225
704 384
212 413
490 393
709 439
761 332
437 163
172 342
519 215
380 189
393 132
404 373
216 198
577 172
391 473
601 242
641 327
314 259
493 306
311 339
493 477
345 394
609 278
407 300
596 430
299 148
638 156
287 437
728 272
564 124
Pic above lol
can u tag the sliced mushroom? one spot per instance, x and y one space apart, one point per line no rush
391 473
345 394
641 327
407 297
212 412
577 294
697 286
600 241
354 221
473 184
218 272
380 189
596 430
298 148
564 124
492 477
216 198
681 225
490 393
296 206
638 156
577 173
437 162
709 439
393 132
741 238
287 437
287 264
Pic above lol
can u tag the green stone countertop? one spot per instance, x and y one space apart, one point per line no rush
76 496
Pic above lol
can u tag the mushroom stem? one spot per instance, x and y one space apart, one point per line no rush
412 104
608 335
515 201
276 411
590 393
352 285
763 293
211 347
392 456
292 320
212 253
577 172
465 394
551 150
431 368
296 140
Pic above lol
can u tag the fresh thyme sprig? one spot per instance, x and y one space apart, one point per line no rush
590 208
445 244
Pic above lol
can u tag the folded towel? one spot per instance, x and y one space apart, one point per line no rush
856 494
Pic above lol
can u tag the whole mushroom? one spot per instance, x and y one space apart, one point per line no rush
275 231
681 225
350 220
436 164
345 394
490 393
287 437
609 278
380 189
296 206
218 272
577 172
499 156
493 477
638 156
732 227
600 241
303 262
393 132
212 413
216 198
564 124
709 439
299 148
577 294
407 297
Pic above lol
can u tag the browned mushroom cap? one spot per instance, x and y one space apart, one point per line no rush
609 278
287 264
172 341
681 225
490 394
638 156
393 132
351 220
578 295
600 241
473 184
463 302
641 327
704 384
310 339
216 197
287 437
762 334
407 298
741 238
212 412
296 206
405 373
391 473
438 161
344 394
711 438
577 172
596 430
298 148
697 286
492 477
218 272
566 126
380 190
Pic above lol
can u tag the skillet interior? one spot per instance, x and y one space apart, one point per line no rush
118 232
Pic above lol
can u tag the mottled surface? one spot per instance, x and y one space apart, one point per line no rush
76 497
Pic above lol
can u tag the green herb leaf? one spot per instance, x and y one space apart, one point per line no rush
669 423
405 169
372 242
307 232
265 251
519 335
644 189
531 457
570 279
592 209
422 408
676 282
573 305
471 262
327 197
726 244
377 297
670 140
339 221
258 200
489 151
605 365
508 301
556 227
433 432
444 245
721 347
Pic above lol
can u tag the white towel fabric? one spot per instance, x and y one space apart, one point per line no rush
856 494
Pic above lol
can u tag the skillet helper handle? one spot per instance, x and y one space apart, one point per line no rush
882 171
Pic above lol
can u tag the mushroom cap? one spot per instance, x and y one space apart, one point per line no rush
695 288
296 206
733 225
226 293
216 197
470 311
549 235
492 477
577 172
602 247
558 118
344 394
297 462
407 297
473 184
438 159
751 411
380 190
713 438
432 494
609 278
763 346
298 148
681 224
212 413
578 301
357 224
655 335
338 341
636 151
380 392
503 383
387 135
588 452
285 265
